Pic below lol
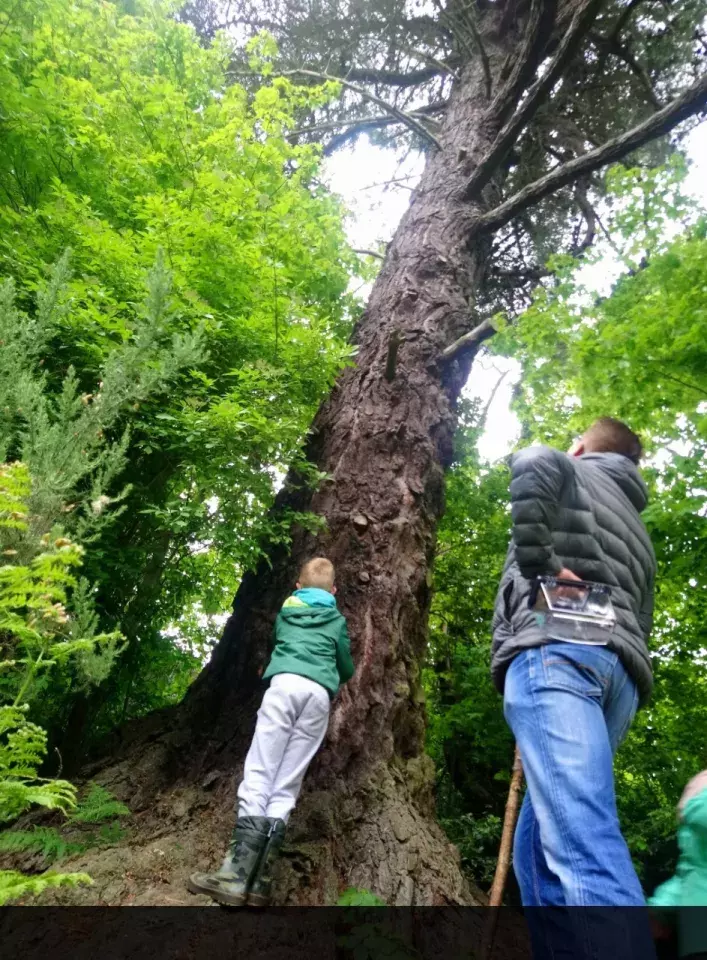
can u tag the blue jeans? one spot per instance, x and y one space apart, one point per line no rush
570 706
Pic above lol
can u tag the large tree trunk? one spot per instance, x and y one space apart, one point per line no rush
384 437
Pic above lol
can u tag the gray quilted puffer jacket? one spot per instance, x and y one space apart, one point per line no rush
582 513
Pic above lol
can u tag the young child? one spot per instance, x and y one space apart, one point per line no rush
688 887
311 658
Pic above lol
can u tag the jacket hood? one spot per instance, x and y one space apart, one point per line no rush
315 597
624 472
309 616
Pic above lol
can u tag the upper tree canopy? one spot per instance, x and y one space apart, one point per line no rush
578 74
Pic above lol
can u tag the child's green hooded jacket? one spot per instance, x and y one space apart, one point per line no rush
688 887
311 640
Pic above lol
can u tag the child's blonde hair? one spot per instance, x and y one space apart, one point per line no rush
317 572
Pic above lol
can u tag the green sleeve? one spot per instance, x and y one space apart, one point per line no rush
695 813
273 636
344 663
666 897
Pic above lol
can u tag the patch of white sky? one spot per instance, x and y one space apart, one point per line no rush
376 188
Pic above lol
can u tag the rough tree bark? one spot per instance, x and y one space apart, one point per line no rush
384 438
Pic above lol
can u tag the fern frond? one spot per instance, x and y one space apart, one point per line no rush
44 840
14 884
16 796
97 806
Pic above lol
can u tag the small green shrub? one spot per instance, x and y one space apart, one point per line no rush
353 897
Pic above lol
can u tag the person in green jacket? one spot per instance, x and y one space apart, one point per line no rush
311 658
688 887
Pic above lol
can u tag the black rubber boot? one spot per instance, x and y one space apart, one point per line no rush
261 885
230 884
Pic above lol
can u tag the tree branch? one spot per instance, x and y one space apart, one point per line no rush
393 78
509 133
686 105
590 218
351 128
625 16
619 50
470 20
443 66
474 338
404 118
537 34
492 397
369 253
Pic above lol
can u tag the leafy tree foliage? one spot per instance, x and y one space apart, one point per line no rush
124 137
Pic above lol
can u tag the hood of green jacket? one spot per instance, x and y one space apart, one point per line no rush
315 597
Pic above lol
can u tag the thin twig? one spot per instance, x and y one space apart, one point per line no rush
404 118
363 124
396 79
504 855
492 397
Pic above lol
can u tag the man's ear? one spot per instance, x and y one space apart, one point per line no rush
298 585
577 449
333 590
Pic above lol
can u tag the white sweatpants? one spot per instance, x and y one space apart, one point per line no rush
292 723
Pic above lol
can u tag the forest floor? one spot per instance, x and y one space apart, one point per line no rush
180 829
184 828
185 831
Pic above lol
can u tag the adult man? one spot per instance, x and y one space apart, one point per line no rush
575 516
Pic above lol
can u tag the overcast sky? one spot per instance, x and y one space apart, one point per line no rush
360 176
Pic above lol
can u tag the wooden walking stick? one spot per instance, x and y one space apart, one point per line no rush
504 854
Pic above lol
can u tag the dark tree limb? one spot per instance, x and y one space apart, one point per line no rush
590 219
538 30
369 253
525 113
470 21
443 66
405 118
690 102
625 16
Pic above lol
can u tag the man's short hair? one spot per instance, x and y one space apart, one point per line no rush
607 435
318 572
